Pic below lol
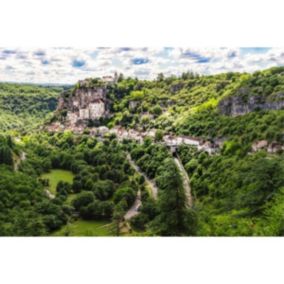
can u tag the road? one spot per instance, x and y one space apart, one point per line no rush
185 181
17 163
49 194
152 185
133 211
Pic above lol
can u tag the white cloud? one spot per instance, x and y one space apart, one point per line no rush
67 65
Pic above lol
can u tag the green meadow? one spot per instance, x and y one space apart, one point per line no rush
82 228
54 176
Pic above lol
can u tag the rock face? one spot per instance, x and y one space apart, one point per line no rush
85 103
273 147
238 105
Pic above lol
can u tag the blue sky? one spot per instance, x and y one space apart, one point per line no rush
68 65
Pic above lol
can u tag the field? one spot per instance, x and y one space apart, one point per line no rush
54 176
82 228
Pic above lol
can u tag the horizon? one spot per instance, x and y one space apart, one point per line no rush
67 65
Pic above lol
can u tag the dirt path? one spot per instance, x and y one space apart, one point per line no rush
133 211
185 181
152 185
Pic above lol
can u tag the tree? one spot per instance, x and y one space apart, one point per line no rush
6 156
63 188
84 198
103 189
118 215
173 219
97 210
125 193
160 77
139 222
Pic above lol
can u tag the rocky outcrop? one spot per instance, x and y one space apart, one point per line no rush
85 103
273 147
240 105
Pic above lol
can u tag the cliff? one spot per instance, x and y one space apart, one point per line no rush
238 105
86 102
262 90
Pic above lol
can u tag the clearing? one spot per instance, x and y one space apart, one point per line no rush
81 228
54 176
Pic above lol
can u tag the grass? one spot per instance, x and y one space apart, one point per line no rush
70 198
54 176
83 228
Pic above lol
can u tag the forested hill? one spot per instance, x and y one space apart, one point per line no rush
233 106
62 182
23 107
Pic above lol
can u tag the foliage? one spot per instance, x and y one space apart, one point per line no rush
23 107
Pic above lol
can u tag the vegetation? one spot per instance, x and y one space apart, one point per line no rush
89 179
23 107
56 177
188 105
236 192
85 228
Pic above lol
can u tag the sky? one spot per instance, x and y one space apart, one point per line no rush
67 65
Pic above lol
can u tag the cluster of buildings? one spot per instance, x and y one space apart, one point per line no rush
169 140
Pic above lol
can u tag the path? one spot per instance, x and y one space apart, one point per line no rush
49 194
152 185
185 181
133 211
17 163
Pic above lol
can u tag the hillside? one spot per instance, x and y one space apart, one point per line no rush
183 156
242 107
23 107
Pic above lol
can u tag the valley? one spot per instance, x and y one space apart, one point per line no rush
175 156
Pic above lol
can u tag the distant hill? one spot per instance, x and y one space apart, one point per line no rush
23 106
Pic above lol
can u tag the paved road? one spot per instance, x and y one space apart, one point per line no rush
152 185
185 181
133 211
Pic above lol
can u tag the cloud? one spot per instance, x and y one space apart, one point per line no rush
68 65
39 53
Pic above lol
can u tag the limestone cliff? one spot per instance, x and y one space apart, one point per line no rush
240 105
86 102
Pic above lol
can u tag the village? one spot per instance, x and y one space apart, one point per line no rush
170 140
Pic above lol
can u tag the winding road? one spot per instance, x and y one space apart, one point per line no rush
151 184
133 211
185 181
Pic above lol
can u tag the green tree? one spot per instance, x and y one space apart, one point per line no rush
174 219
